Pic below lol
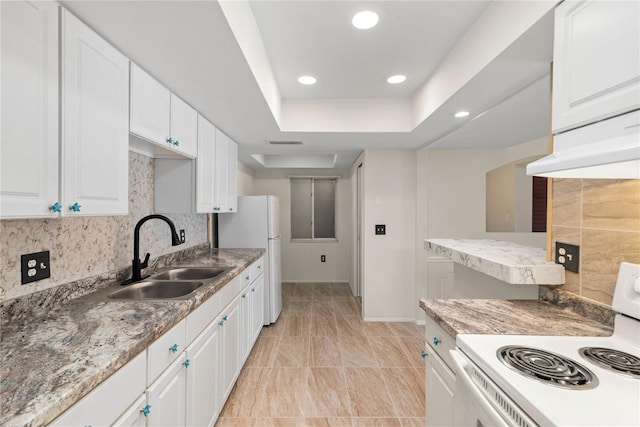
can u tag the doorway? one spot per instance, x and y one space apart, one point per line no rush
359 245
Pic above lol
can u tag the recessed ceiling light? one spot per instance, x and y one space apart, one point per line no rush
462 114
398 78
365 20
307 80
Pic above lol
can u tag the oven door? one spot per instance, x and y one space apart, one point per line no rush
473 404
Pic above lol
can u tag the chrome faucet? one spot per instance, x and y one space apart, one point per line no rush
137 265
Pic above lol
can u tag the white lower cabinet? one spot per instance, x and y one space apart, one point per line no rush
167 396
230 337
245 316
439 375
135 415
203 385
257 309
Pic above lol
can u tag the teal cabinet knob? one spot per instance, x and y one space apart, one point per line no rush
221 323
253 289
174 348
436 341
247 277
186 363
423 354
176 143
146 410
244 296
56 207
75 207
225 318
170 140
259 267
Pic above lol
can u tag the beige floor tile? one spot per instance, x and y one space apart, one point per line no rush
325 351
299 308
324 326
376 422
350 326
289 403
368 393
297 326
413 347
406 387
321 290
356 351
377 329
322 307
345 307
303 290
326 393
292 352
412 422
407 329
235 422
275 329
340 289
389 352
263 353
246 399
310 422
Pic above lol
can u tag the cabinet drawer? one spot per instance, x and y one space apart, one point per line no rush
166 349
257 268
110 399
230 290
440 341
202 316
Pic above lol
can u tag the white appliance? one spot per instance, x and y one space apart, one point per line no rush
585 391
257 225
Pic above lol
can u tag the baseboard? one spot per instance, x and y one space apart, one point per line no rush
420 322
317 281
389 319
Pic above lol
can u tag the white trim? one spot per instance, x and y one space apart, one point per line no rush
313 177
390 319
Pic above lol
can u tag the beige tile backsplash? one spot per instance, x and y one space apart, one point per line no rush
602 216
85 246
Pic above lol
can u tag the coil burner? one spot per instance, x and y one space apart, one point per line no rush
614 360
549 368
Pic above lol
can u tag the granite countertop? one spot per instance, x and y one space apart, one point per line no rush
50 361
513 317
506 261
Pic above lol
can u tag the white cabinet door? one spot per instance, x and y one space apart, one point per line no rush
95 128
203 378
135 415
150 107
439 391
29 110
184 127
596 68
221 187
257 309
245 327
230 333
205 165
167 397
232 184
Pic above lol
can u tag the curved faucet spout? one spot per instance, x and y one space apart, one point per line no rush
136 264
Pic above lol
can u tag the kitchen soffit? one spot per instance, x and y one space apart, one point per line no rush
197 50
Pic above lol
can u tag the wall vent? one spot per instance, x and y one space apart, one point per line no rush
285 142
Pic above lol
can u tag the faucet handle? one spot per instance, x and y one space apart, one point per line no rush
145 263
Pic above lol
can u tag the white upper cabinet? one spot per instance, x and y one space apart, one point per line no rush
95 126
29 112
159 116
205 165
226 164
596 70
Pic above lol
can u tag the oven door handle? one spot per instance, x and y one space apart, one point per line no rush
480 401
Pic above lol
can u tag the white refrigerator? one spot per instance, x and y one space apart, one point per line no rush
256 224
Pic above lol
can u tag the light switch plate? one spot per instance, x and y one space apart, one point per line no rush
381 229
568 255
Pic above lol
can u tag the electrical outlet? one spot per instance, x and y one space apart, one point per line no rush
35 267
323 258
568 255
182 238
381 229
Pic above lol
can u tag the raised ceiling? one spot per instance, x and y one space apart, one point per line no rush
197 50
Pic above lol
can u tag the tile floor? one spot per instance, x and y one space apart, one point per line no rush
321 365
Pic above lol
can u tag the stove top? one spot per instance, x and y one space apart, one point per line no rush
614 360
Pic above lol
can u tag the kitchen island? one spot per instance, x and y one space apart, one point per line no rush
50 361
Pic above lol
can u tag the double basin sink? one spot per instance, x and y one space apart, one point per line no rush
175 283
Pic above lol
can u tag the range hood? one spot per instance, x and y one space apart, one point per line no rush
606 149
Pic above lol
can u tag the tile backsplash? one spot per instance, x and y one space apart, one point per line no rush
602 216
85 246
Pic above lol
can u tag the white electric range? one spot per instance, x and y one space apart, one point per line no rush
520 380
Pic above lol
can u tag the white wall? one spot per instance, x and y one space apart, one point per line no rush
301 261
452 195
389 260
245 180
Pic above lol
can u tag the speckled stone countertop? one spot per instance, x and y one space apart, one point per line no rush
506 261
513 317
50 361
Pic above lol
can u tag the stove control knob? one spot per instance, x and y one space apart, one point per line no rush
636 285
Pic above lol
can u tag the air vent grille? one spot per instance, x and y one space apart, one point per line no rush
285 142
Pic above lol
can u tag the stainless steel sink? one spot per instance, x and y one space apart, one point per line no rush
190 273
156 289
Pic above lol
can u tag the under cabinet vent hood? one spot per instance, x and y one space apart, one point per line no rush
606 149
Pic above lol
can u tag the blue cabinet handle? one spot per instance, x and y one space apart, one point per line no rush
436 341
56 207
225 318
423 354
244 296
75 207
176 143
253 289
170 140
259 267
146 410
186 363
174 348
247 277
